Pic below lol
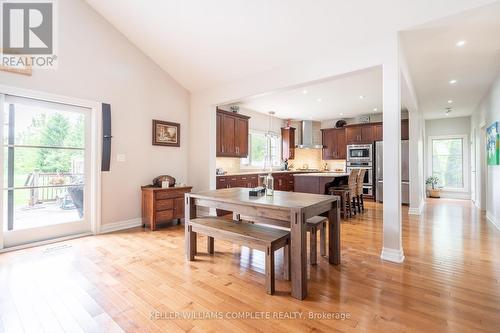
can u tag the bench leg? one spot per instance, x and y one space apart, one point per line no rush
322 239
210 245
312 245
269 270
286 262
191 246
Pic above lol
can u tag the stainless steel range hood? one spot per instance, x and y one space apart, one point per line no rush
306 137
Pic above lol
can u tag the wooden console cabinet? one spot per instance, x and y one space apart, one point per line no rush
162 204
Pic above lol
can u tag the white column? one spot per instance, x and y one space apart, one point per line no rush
416 163
392 246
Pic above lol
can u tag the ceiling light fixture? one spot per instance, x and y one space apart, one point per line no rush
453 81
341 114
319 100
375 109
461 43
450 101
361 97
304 91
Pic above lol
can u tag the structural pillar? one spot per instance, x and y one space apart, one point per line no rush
392 238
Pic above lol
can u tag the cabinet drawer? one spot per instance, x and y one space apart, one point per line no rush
164 215
167 195
164 204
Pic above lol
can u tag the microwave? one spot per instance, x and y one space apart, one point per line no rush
360 153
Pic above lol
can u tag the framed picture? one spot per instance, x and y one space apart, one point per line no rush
493 144
166 133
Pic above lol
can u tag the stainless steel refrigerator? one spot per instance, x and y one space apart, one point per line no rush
405 173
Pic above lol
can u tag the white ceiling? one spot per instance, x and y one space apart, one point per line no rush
203 43
434 60
339 98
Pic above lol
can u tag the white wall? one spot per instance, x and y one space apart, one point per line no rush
487 177
459 126
97 63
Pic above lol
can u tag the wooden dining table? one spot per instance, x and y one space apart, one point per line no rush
285 209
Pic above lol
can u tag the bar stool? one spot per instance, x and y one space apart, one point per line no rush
314 224
359 191
345 199
350 188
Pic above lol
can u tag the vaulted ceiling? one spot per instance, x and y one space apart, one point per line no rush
203 43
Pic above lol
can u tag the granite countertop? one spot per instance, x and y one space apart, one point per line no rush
262 172
323 174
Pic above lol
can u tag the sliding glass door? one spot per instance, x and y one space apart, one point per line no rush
45 170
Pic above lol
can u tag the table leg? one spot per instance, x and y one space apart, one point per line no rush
298 255
190 236
334 234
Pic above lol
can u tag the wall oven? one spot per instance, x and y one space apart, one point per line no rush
360 153
368 180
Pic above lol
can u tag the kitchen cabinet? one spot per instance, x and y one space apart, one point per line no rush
378 131
362 133
232 134
334 142
405 130
288 143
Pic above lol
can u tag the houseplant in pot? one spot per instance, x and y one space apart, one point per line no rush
433 190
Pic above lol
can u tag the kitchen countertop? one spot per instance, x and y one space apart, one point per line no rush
323 174
261 172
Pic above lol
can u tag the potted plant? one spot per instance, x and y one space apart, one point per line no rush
434 192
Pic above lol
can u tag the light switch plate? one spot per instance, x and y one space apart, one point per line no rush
121 158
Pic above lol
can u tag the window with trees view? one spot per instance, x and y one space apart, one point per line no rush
43 165
258 150
448 162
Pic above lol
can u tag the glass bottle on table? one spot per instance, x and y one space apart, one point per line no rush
269 184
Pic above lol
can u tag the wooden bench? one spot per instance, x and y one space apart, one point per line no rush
256 237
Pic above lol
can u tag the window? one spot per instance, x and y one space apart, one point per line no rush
258 150
448 161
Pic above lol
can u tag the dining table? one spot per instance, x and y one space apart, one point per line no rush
284 209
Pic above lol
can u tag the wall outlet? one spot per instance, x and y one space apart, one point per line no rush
121 157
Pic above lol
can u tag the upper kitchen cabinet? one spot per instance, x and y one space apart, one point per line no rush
288 143
334 142
405 130
232 134
362 133
378 131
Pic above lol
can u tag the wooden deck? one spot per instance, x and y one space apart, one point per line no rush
129 281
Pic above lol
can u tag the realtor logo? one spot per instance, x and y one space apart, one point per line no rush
27 28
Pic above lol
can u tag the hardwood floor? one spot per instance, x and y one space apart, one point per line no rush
449 282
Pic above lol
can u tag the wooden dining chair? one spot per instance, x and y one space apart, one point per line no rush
359 191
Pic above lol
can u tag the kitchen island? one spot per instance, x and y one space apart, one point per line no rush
318 182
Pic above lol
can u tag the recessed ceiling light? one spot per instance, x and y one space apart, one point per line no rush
461 43
304 91
453 81
375 109
450 101
319 100
341 114
361 97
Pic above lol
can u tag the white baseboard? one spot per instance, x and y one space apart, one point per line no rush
392 255
120 225
417 210
493 220
455 195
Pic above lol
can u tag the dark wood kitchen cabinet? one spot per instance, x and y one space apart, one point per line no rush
378 131
288 143
232 134
405 130
362 133
334 142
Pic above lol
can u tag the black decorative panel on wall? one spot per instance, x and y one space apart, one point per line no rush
106 136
